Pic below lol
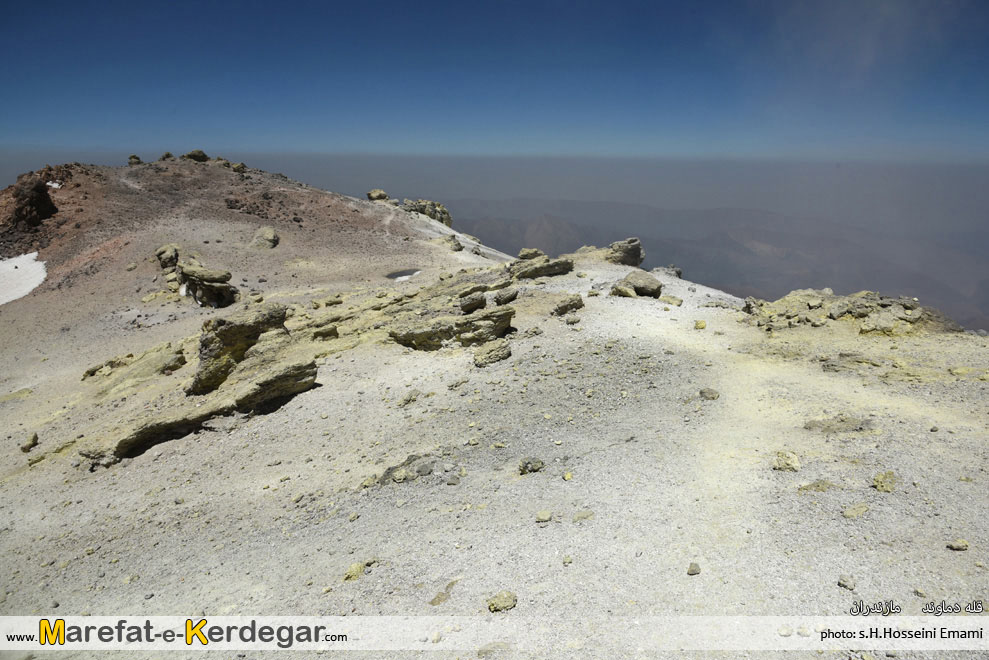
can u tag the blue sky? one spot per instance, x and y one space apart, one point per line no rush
790 79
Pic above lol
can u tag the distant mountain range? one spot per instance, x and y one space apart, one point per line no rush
753 252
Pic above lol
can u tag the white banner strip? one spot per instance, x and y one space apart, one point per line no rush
500 631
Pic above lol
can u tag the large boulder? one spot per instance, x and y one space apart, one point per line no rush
225 341
31 202
643 284
627 253
205 285
377 195
540 267
193 271
531 253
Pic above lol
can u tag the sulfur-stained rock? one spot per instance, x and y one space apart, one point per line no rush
225 341
568 304
429 208
472 303
506 296
621 290
540 267
493 351
265 237
168 255
786 461
501 601
377 194
530 253
30 443
196 272
884 482
477 328
628 252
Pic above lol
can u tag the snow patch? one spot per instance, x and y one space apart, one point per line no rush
20 276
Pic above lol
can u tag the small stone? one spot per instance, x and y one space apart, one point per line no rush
694 568
503 600
567 476
856 510
934 429
491 352
30 443
709 395
846 582
884 482
920 593
454 480
567 560
568 304
583 514
700 325
530 465
544 516
958 545
353 516
786 461
131 266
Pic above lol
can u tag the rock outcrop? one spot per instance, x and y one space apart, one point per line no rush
190 278
31 203
477 328
429 208
197 155
872 312
627 253
225 341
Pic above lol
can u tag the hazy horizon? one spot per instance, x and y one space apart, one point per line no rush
864 118
751 227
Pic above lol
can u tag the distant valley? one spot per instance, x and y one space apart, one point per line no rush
752 252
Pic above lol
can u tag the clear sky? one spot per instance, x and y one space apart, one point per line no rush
887 79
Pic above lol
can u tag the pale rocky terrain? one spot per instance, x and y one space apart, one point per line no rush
353 458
